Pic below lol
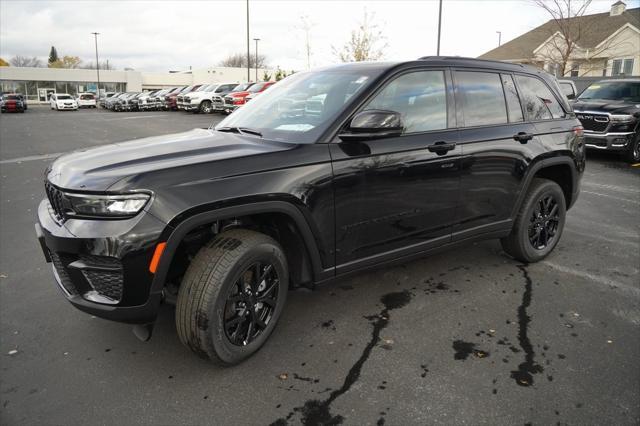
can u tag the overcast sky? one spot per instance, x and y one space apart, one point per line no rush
163 35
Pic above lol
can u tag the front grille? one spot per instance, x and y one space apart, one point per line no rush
63 275
57 201
593 122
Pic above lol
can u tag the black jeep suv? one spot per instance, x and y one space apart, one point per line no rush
331 172
610 114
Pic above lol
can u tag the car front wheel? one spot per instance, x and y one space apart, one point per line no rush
205 107
232 295
633 153
539 223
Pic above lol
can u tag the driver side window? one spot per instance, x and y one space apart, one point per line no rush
420 97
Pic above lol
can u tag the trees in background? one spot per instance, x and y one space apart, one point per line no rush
367 42
25 61
91 65
239 60
69 62
53 56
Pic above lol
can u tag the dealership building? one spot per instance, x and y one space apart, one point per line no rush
39 83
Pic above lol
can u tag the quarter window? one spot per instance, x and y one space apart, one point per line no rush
482 98
419 96
513 100
539 103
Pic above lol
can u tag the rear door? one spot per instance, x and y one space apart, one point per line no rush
398 195
491 120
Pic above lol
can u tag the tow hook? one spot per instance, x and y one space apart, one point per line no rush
143 331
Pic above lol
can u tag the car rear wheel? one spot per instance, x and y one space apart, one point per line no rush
232 295
633 153
539 223
205 107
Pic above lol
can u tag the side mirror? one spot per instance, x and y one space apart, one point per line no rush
373 124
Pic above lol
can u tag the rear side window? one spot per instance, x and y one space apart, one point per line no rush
513 100
482 98
419 96
539 103
567 90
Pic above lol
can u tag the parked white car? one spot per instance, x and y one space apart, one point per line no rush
60 101
86 100
202 100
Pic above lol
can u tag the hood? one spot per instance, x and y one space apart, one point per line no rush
606 105
96 169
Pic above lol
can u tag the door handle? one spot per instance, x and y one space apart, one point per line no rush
523 137
441 147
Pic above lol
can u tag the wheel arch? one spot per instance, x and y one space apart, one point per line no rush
559 169
300 245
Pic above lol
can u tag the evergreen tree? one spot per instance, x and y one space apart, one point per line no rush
53 55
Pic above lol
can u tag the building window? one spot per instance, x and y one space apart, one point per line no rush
617 67
627 67
575 69
604 69
622 67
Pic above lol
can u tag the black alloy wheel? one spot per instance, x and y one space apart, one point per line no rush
251 303
544 222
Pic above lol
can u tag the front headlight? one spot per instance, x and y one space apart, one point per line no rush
621 118
107 205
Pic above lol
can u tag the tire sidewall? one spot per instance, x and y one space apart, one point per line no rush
216 337
549 188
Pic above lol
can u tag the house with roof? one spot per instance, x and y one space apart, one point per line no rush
597 45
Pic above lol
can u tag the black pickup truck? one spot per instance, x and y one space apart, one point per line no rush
610 114
330 172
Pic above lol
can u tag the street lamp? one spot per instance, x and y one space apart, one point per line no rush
256 40
95 36
248 49
499 38
439 25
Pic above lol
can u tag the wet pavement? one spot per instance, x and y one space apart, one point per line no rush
463 337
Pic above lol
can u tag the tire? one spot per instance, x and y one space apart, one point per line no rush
518 244
214 275
205 107
633 153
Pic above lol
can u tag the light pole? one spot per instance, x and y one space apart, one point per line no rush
499 38
439 25
248 49
95 36
256 40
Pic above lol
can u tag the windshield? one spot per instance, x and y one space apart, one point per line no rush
63 97
299 108
203 88
256 88
242 87
614 90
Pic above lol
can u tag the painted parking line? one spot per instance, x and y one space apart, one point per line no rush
31 158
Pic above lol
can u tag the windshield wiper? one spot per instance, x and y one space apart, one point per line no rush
239 130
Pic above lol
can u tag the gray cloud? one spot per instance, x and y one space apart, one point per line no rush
163 35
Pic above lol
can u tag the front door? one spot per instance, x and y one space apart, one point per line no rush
398 195
44 95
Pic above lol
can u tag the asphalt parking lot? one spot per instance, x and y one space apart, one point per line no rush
464 337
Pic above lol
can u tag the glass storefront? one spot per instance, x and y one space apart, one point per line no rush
36 91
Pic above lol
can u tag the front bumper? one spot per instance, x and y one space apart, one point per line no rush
101 266
608 141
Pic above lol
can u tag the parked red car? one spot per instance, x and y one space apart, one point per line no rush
12 102
236 99
171 99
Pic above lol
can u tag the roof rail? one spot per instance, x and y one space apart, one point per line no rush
469 59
